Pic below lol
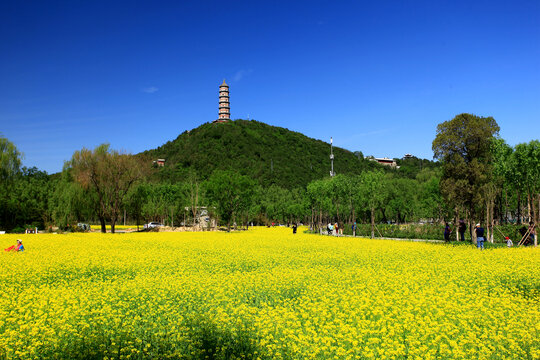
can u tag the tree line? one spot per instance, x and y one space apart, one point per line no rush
477 177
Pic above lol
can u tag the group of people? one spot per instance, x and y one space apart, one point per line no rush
17 247
334 229
527 234
462 227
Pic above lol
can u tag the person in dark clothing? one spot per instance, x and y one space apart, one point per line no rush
461 229
523 230
294 227
447 232
479 236
532 232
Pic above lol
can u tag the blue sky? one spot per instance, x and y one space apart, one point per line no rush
378 76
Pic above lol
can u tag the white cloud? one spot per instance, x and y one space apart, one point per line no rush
240 74
150 90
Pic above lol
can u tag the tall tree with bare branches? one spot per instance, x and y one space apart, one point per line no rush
110 174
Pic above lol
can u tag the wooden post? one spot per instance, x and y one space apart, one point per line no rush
522 241
378 231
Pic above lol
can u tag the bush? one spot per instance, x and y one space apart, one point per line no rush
18 230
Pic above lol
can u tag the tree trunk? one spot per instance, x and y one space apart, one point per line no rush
533 212
529 206
312 225
372 223
492 226
506 206
538 212
103 226
487 219
518 207
337 213
456 223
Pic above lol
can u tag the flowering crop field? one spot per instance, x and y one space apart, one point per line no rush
265 293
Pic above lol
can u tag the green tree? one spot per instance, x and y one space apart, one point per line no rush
463 144
402 203
504 176
431 201
230 193
10 162
319 198
110 174
526 169
70 202
136 199
371 193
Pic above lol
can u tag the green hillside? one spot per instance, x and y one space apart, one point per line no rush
269 154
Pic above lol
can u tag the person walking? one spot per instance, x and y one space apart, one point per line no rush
354 229
479 236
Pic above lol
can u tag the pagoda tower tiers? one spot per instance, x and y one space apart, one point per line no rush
224 113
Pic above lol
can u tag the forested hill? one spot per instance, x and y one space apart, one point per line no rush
269 154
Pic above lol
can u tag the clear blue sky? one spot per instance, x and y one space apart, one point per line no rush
378 76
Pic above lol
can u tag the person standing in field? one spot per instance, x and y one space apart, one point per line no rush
461 229
447 232
336 229
479 236
354 229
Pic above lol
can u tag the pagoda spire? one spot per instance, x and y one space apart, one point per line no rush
224 112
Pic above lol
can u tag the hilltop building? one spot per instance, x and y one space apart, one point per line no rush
224 113
159 162
388 162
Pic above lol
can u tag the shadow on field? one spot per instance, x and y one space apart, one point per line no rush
211 342
525 287
199 337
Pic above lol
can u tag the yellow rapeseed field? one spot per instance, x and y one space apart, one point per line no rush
264 293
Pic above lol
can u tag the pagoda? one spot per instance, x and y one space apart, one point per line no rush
224 113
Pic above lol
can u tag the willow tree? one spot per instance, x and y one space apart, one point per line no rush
111 175
10 163
464 145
